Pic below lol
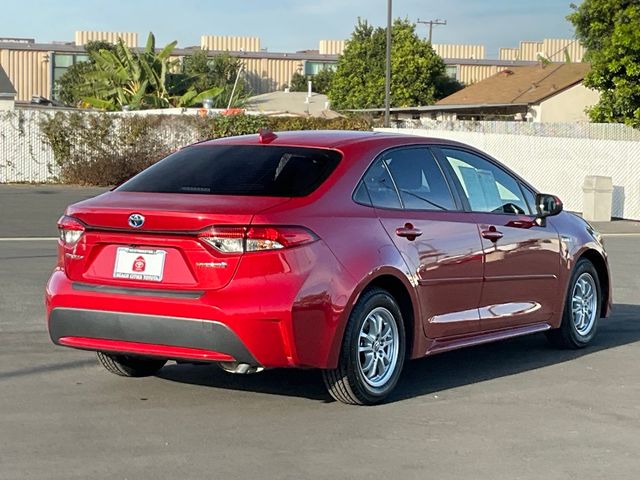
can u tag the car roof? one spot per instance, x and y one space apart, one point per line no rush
327 139
338 139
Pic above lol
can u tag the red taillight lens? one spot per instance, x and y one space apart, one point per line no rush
273 238
256 239
70 230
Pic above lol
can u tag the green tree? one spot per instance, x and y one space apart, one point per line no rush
298 83
118 77
218 71
320 82
609 31
418 73
72 86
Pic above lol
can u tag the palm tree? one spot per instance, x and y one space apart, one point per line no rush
126 79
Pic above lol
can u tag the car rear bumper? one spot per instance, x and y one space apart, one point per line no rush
283 319
152 335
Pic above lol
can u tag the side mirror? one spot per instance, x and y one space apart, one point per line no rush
547 205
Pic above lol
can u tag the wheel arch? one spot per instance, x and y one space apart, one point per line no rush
604 277
400 288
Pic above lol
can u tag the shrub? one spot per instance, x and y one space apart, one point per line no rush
106 149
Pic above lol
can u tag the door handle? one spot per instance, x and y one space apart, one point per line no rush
492 234
408 231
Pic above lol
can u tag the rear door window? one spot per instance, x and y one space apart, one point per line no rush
248 170
419 179
381 189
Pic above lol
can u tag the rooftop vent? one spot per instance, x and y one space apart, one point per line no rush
17 40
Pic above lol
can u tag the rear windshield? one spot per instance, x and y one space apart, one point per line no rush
238 170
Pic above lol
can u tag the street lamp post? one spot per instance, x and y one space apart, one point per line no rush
387 83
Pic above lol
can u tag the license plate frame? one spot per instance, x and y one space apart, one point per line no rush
142 264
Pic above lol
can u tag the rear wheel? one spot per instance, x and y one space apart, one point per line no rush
582 309
372 354
130 366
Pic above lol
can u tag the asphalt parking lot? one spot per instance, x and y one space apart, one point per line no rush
512 410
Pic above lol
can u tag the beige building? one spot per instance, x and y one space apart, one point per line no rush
552 49
538 93
33 68
566 106
130 39
468 52
218 43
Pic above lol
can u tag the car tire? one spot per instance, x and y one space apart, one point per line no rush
372 354
582 309
130 366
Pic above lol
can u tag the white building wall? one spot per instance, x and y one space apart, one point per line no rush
7 104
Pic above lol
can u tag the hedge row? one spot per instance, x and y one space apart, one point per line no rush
106 149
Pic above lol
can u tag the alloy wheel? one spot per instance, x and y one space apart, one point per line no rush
378 347
584 304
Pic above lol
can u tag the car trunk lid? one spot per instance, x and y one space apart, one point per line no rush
164 251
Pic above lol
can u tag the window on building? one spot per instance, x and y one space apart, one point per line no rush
452 71
61 62
313 68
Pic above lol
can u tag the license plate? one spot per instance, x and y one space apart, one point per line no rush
139 264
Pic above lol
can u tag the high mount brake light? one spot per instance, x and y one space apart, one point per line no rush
255 239
70 230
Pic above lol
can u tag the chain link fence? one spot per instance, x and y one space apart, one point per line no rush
555 158
26 157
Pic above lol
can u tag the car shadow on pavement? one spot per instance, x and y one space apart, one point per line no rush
428 375
281 381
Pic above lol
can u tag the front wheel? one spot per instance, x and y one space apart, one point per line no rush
373 352
130 366
582 309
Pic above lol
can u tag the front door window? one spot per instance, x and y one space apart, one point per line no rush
488 188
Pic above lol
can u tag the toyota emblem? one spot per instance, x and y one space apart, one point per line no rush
136 220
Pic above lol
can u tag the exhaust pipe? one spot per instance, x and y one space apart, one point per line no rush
239 368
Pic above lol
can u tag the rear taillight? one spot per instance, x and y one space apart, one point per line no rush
225 239
255 239
70 230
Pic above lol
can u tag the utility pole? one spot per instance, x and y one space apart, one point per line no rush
431 23
387 82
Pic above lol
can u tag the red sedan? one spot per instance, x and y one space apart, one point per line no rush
349 252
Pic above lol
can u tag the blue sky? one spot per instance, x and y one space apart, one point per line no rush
286 25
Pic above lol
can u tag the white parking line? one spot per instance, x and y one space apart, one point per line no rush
28 239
